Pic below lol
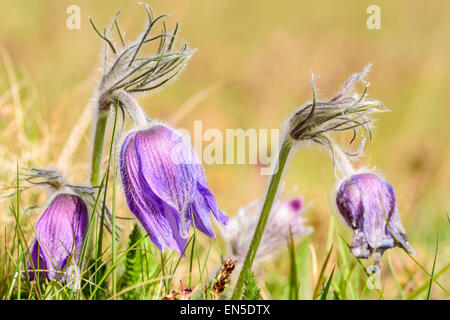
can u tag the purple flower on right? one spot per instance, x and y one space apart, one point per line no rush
367 204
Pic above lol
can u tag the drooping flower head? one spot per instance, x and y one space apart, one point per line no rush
368 205
165 186
60 234
285 218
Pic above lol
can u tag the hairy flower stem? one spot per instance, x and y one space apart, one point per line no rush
98 147
264 216
132 107
96 166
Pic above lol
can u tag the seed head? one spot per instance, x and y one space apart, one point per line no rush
126 69
347 110
223 278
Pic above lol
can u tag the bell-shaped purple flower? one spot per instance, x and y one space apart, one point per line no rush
165 186
367 204
60 233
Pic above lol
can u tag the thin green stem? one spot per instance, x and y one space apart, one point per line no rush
97 152
19 240
113 228
264 216
102 217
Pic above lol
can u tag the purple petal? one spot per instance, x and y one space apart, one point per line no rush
377 204
60 232
174 221
201 213
208 197
167 164
142 201
348 201
295 204
395 224
38 263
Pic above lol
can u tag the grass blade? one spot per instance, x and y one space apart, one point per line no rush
321 274
327 286
293 277
434 265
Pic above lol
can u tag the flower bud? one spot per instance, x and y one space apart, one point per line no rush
367 204
165 186
60 234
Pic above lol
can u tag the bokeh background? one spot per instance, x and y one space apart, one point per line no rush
252 69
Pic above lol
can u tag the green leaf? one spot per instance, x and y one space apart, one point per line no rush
55 291
293 277
321 275
434 265
327 286
303 267
133 267
251 289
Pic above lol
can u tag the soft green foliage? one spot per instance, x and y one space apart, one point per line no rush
303 267
133 266
56 291
322 274
251 289
327 287
293 277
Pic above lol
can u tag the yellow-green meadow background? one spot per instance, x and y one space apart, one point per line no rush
252 69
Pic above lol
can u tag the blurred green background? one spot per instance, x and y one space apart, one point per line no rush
252 69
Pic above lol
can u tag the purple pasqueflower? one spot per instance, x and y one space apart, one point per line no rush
285 218
60 234
367 204
165 186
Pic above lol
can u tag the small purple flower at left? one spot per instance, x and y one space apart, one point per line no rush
60 234
165 186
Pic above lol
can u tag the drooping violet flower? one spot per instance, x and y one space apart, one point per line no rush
60 233
165 186
285 218
368 205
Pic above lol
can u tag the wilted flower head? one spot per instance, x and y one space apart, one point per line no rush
165 186
347 110
53 182
60 234
367 204
126 71
285 218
